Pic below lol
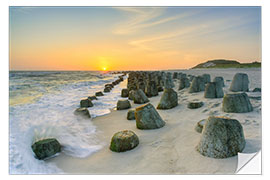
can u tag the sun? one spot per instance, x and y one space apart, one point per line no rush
104 68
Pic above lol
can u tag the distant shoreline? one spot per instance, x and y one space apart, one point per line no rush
199 66
222 63
228 67
231 67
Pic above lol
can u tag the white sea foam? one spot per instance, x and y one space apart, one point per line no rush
52 116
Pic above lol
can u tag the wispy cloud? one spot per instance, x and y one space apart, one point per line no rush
137 19
142 18
195 32
149 43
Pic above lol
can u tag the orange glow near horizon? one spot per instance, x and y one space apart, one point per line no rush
131 38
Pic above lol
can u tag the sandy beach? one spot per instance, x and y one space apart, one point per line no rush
170 149
189 77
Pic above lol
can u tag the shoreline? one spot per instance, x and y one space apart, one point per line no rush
168 150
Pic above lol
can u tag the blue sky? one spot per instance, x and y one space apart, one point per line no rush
89 38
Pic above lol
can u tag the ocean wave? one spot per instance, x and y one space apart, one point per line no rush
51 115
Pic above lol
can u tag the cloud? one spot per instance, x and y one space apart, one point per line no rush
141 18
149 43
197 32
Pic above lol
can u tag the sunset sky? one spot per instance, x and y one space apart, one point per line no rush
112 38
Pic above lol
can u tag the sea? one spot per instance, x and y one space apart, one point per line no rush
41 105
